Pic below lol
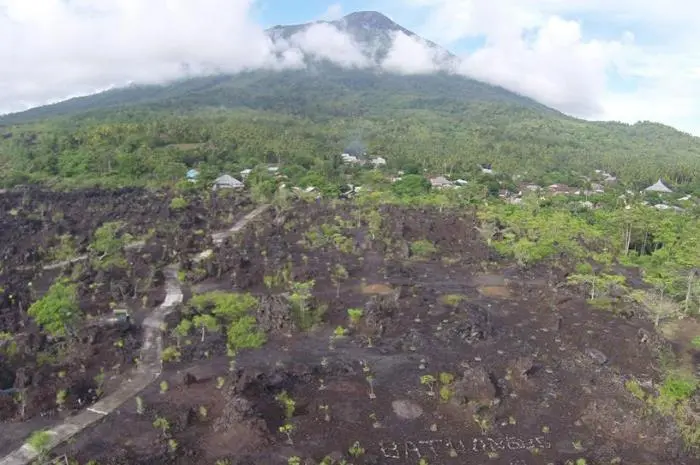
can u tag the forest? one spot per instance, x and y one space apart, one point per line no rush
304 119
147 147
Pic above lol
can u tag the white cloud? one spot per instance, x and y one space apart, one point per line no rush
565 52
325 41
556 67
332 13
64 48
60 48
409 55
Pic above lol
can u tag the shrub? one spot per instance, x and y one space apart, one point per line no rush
243 334
411 185
39 441
171 354
178 203
423 248
57 312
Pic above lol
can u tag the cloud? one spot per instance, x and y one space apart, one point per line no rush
65 48
555 66
62 49
332 13
325 41
410 55
625 60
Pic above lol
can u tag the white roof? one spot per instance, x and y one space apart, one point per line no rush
440 181
658 187
227 181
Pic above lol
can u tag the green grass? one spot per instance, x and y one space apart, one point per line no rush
422 248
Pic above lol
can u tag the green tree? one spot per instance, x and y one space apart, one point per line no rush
206 323
411 185
108 245
242 334
57 312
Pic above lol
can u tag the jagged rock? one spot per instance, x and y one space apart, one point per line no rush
598 357
379 310
473 327
237 410
411 342
474 386
524 366
275 315
403 250
188 379
185 418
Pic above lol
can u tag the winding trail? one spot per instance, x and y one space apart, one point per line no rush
149 367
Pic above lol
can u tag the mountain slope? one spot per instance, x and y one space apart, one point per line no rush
322 90
299 91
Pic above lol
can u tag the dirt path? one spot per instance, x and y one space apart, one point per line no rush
149 368
219 237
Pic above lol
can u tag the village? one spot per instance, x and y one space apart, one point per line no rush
599 185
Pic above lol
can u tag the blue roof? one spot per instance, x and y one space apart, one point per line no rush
192 173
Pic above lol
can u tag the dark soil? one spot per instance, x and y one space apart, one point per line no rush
537 374
92 363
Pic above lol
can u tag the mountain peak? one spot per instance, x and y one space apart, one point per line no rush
370 19
373 31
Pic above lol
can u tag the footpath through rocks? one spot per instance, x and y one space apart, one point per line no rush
150 360
148 370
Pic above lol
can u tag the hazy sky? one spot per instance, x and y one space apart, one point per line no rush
615 59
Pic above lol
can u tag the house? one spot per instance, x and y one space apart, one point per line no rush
192 175
227 182
377 162
658 187
486 168
351 159
559 189
530 187
461 182
440 182
350 192
598 188
245 173
273 169
505 194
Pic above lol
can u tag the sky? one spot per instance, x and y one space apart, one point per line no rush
622 60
